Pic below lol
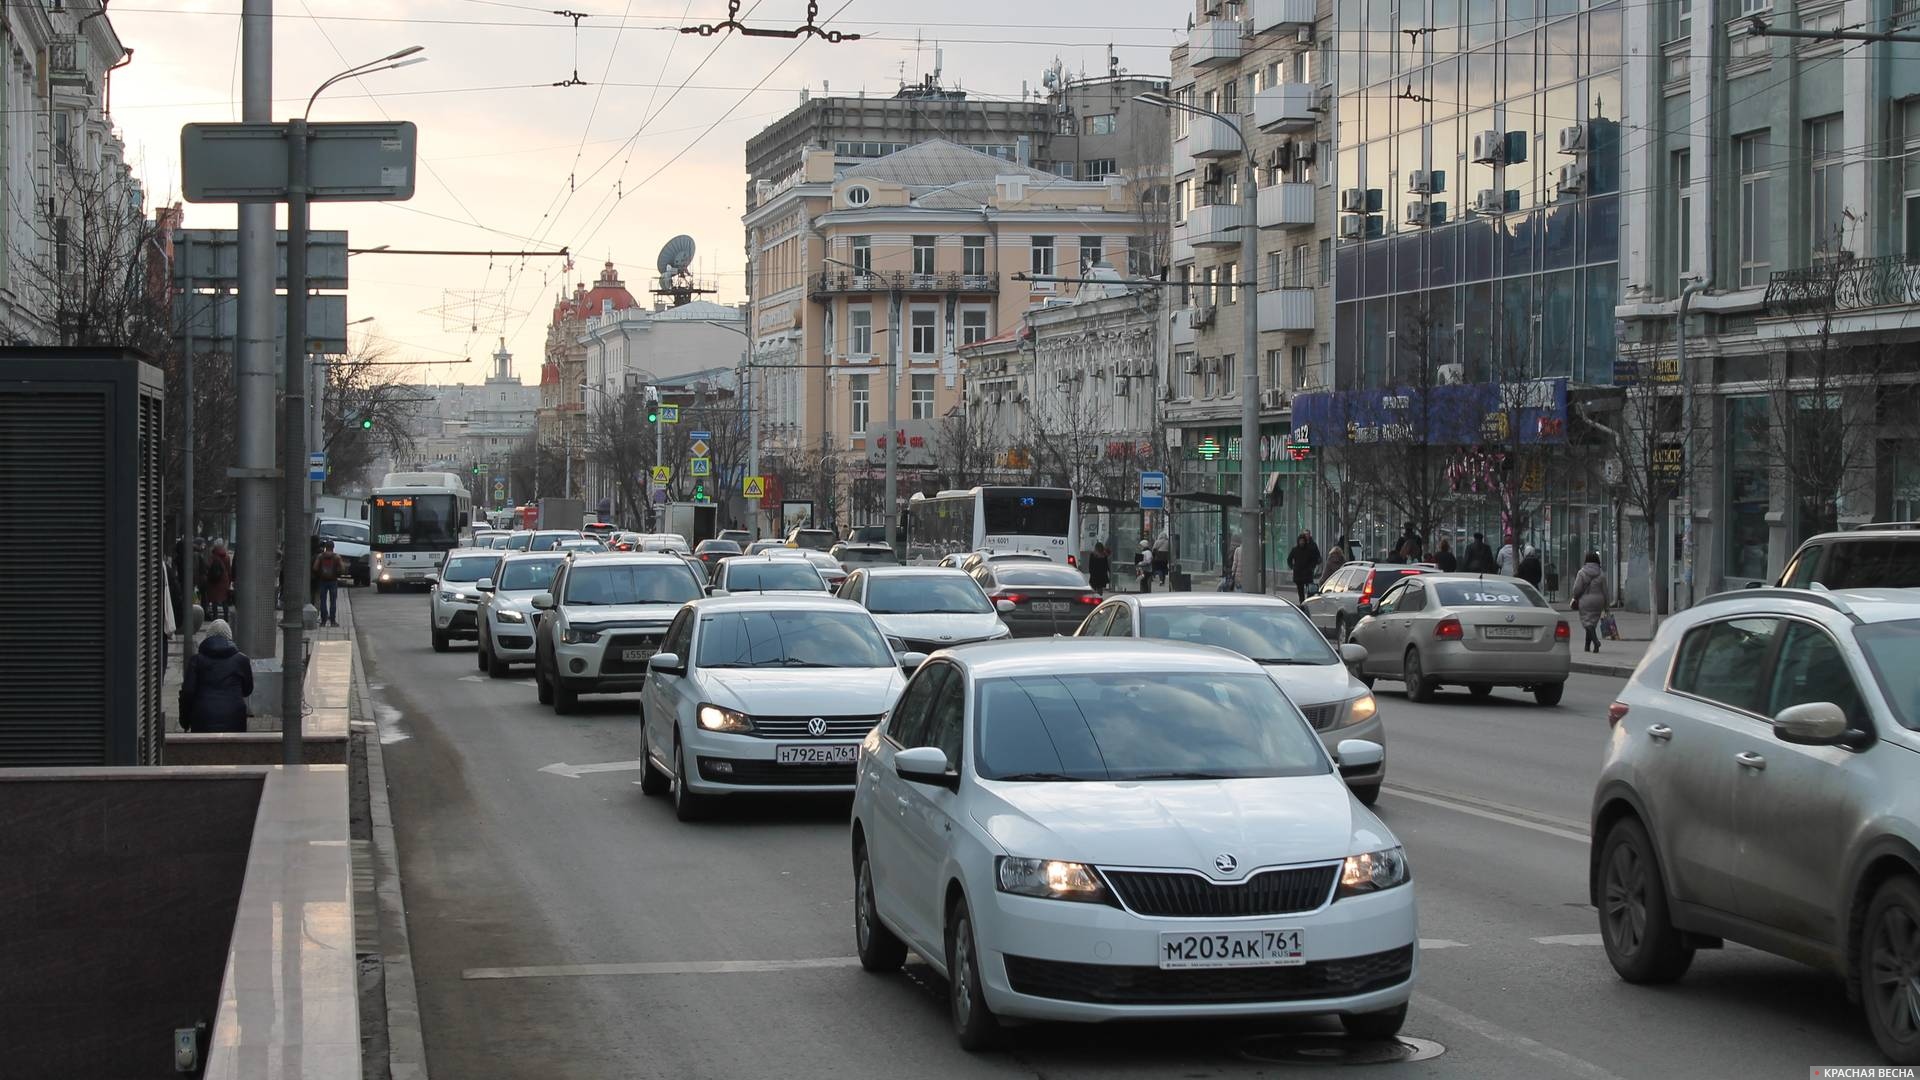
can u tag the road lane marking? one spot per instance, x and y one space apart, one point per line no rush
1515 817
1441 943
1513 1040
575 772
690 967
1584 940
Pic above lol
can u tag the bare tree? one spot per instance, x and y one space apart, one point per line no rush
1401 453
98 273
1523 446
969 452
620 445
367 416
1646 447
535 469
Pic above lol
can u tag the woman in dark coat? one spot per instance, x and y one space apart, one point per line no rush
1529 570
219 588
217 683
1100 568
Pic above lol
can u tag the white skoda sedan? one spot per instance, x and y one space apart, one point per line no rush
1110 829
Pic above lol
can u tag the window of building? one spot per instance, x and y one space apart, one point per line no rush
1099 168
923 254
1140 256
1097 125
1750 157
858 196
922 397
973 325
1063 169
1297 268
1229 294
1740 43
1226 376
62 234
1907 180
925 333
1182 192
1273 374
1041 260
1825 149
1682 214
1207 295
863 254
1676 19
1748 487
1182 375
1297 373
1092 252
973 255
62 136
860 331
1326 263
857 386
1230 97
1184 275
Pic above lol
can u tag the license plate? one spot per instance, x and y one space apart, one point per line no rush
1523 632
845 754
1233 948
1055 606
635 656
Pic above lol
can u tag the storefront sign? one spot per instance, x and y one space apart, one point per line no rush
1529 413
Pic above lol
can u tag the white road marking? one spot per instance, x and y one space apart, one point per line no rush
1441 943
1513 1040
575 772
1461 806
689 967
1585 940
472 678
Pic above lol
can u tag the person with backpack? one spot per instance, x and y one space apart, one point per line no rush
219 588
328 569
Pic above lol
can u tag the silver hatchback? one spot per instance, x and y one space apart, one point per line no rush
1762 785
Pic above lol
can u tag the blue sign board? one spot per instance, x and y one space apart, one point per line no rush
1529 413
1153 491
317 466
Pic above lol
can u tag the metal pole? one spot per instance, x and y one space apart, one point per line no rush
1686 426
187 529
895 316
753 439
566 450
1253 555
255 370
293 533
659 451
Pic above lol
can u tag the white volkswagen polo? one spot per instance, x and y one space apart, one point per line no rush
1108 829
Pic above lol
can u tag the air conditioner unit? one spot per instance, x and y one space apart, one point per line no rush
1419 212
1305 36
1212 364
1573 178
1489 148
1352 227
1273 398
1451 374
1210 174
1303 151
1353 200
1203 316
1489 201
1420 182
1573 139
1192 366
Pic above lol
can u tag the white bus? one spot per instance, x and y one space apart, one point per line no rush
415 519
994 519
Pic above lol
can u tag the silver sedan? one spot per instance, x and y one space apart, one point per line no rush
1474 630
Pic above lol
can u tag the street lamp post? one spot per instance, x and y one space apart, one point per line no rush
1251 542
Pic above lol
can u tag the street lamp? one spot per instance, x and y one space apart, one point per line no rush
1250 540
388 62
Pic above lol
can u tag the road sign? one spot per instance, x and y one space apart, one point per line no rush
753 487
698 448
317 466
700 467
350 162
669 414
1153 491
216 319
699 436
662 473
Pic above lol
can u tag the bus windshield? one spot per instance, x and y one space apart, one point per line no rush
426 522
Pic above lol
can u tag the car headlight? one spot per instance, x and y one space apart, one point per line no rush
508 615
1051 879
1359 710
1373 871
456 597
574 635
715 718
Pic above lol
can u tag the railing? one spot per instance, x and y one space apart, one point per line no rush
1844 286
847 281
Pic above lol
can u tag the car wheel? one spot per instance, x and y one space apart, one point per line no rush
1549 693
1419 687
973 1022
1367 795
480 652
1634 924
565 700
496 667
1479 689
1384 1024
687 805
879 949
653 781
1340 631
541 686
439 641
1890 970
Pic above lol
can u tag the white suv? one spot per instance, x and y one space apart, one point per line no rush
456 592
506 615
602 619
1762 785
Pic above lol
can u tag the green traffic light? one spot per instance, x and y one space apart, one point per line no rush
653 416
367 424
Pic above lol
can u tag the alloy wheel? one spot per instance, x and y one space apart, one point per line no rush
863 918
1894 972
1626 899
963 971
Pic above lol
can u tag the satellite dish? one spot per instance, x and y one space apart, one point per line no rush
677 255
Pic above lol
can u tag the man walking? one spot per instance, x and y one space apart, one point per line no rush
1304 561
328 569
1479 557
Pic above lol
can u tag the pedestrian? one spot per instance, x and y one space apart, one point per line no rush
1230 576
1479 558
1444 558
328 569
1509 557
1529 570
1304 561
1336 557
1143 566
1410 546
219 589
215 687
1163 555
1590 599
1100 568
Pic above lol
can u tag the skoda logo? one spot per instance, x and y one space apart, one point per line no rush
1225 863
817 727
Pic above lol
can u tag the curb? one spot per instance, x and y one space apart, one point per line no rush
406 1047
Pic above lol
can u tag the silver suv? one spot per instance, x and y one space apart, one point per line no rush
1871 556
601 620
1762 784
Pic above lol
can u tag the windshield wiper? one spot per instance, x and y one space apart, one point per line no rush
1283 660
1178 776
791 662
1039 776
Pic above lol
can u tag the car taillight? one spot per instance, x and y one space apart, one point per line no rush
1562 632
1616 712
1448 630
1090 599
1073 560
1366 591
1014 597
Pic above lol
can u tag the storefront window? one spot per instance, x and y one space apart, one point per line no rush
1906 482
1747 489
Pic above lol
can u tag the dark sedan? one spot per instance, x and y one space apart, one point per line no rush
1036 599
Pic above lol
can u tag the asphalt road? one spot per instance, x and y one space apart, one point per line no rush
566 926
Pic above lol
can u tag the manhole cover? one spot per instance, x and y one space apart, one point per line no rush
1337 1050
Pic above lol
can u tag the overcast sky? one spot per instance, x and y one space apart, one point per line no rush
511 162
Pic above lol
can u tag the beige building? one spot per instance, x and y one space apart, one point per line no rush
914 252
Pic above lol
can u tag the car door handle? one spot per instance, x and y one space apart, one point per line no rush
901 799
1750 760
1660 732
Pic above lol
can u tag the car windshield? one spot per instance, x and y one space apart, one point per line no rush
772 574
529 575
470 568
519 541
548 541
926 594
1268 633
1141 726
1058 577
814 538
865 556
1893 653
628 583
1490 593
348 531
792 638
578 545
718 546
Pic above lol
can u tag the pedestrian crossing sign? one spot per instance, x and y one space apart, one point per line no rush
753 487
700 467
662 473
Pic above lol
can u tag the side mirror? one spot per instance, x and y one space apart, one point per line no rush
1753 584
1355 756
1815 723
485 584
1352 653
911 661
1005 607
715 590
543 602
666 663
926 765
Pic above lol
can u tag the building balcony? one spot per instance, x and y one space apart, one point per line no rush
1181 330
1286 309
831 283
1844 285
1216 226
1285 107
1215 42
1286 206
1282 14
1210 138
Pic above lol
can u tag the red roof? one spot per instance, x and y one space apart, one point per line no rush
586 303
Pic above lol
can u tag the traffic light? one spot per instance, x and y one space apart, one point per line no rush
366 423
653 414
699 491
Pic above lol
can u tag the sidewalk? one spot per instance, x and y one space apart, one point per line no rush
170 684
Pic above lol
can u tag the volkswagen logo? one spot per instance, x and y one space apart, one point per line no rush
817 727
1509 616
1225 863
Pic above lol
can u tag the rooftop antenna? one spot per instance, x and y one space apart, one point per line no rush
676 282
939 58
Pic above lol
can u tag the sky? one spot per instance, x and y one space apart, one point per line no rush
653 145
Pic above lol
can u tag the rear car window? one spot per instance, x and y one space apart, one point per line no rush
1884 563
1488 594
1383 577
1056 576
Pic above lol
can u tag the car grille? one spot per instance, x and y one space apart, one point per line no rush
1322 717
795 727
515 641
1119 985
922 645
462 620
1270 892
771 773
613 661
